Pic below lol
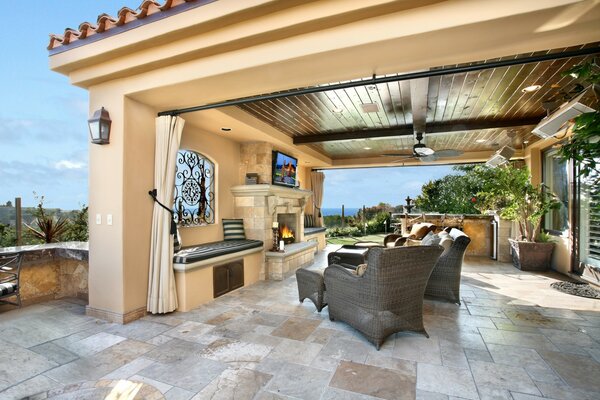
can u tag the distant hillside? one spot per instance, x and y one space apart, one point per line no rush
7 214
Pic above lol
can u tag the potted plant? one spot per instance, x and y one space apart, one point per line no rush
508 190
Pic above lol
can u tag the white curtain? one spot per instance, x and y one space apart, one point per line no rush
162 294
316 181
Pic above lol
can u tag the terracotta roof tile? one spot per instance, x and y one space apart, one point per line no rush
107 22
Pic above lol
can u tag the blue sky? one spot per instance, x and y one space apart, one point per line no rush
370 186
43 119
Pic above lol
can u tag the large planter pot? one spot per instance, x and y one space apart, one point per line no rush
531 256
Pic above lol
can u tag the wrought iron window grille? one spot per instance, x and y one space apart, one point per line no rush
194 189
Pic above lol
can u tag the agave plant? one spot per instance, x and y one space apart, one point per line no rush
47 227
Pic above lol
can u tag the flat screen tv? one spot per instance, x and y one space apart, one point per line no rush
284 169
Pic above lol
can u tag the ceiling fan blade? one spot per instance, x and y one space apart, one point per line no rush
432 157
448 153
401 160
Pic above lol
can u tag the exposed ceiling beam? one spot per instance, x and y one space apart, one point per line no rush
407 130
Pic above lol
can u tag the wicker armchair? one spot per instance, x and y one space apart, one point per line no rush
388 298
444 281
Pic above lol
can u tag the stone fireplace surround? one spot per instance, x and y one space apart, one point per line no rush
259 206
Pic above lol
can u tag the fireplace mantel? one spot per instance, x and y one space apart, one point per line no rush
270 190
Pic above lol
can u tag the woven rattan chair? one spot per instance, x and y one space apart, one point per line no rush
10 271
311 286
388 298
444 281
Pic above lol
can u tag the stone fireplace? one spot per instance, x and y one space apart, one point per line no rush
261 205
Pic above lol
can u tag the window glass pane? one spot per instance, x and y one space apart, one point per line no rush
589 226
194 189
555 176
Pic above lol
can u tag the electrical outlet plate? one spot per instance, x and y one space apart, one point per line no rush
98 219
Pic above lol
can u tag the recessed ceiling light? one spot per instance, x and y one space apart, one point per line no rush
481 140
337 110
372 87
367 148
225 129
531 88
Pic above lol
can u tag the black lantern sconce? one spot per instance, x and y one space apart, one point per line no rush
100 127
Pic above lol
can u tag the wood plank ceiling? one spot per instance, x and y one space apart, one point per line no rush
472 111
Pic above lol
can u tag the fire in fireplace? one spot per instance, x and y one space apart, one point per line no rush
286 234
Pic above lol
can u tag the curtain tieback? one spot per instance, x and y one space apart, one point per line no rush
318 211
153 193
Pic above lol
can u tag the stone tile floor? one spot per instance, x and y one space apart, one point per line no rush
513 337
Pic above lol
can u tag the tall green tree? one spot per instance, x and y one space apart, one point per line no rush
452 194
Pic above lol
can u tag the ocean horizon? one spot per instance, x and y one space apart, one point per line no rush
348 211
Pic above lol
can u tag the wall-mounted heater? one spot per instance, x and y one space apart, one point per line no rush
555 122
500 157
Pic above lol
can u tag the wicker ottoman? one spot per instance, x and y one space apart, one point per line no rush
311 285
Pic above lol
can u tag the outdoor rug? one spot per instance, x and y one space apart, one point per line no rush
577 289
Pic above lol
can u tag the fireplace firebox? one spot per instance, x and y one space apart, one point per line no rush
287 227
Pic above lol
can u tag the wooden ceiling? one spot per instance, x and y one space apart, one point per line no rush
474 111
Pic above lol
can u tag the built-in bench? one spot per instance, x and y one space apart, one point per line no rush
194 268
316 234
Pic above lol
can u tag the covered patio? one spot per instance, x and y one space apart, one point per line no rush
231 86
513 337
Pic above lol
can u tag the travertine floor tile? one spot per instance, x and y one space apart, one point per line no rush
446 380
252 340
374 381
296 328
500 376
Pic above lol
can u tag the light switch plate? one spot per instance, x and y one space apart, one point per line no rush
98 219
108 219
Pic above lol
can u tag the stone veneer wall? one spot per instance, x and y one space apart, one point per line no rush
256 158
53 271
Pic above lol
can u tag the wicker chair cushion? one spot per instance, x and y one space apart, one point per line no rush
412 242
7 288
418 231
360 269
431 239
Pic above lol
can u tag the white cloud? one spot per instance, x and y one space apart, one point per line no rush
66 164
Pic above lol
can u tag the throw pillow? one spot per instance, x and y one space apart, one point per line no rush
176 241
412 242
361 269
418 231
431 239
446 243
233 229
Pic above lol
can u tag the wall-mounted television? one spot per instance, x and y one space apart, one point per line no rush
284 169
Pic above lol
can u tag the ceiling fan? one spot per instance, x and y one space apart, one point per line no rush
422 152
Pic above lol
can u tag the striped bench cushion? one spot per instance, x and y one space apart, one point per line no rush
233 229
7 288
309 221
214 249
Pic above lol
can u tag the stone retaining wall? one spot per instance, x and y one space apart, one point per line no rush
52 271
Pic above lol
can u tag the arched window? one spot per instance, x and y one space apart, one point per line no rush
194 189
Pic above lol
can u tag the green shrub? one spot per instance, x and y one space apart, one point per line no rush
345 231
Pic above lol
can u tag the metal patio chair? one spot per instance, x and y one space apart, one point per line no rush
10 271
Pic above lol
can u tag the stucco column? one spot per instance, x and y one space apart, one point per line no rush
120 175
